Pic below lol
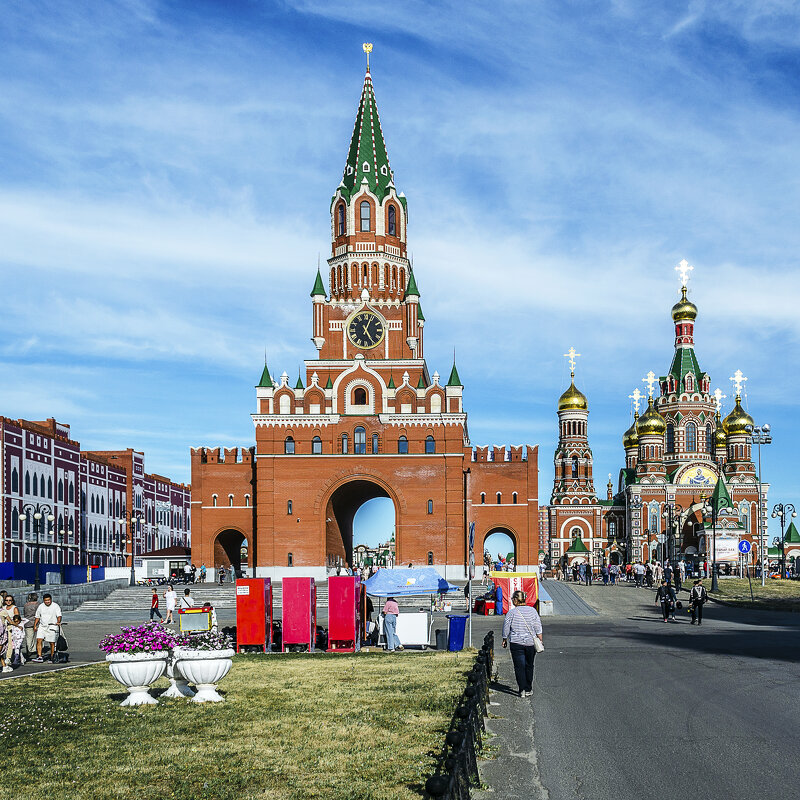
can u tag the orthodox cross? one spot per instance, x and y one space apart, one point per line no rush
367 48
651 381
738 381
683 269
636 397
719 397
571 355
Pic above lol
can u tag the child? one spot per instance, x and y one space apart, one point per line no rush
16 632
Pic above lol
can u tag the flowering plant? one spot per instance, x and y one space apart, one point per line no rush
150 638
207 640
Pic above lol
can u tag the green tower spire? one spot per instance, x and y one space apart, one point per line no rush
454 380
411 287
420 315
299 384
266 379
318 289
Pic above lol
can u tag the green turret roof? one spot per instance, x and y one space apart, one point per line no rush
299 384
454 380
329 384
421 382
391 381
367 157
411 287
685 361
578 546
266 380
720 497
792 536
420 315
318 289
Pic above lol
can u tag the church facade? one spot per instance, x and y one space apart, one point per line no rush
365 419
675 454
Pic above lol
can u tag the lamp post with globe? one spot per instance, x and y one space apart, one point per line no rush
39 513
781 511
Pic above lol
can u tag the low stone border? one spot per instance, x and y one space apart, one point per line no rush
457 764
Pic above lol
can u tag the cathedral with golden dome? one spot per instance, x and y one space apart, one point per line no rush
676 452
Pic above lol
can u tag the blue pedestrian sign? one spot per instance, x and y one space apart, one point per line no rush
745 547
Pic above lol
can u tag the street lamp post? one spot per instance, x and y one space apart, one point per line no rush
781 511
132 519
672 513
39 512
61 540
760 434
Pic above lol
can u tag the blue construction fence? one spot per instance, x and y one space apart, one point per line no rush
73 573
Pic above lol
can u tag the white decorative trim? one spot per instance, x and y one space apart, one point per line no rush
423 419
294 420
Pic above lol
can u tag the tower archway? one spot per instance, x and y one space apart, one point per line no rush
376 524
501 544
230 550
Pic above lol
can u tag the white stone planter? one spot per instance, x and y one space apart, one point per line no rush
178 685
205 669
136 672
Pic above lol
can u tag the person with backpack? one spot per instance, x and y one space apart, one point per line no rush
698 597
665 595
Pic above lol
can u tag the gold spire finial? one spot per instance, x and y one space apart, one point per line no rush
718 398
683 269
571 355
738 382
367 48
636 397
651 381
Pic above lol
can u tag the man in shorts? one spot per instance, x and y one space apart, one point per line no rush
46 625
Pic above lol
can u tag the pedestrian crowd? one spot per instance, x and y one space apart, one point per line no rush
23 633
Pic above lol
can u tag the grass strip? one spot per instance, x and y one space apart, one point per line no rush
362 726
777 595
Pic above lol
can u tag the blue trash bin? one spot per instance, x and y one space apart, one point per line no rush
455 632
498 600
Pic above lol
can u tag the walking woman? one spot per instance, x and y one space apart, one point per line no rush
171 599
521 625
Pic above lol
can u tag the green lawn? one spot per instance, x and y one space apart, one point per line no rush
292 727
782 595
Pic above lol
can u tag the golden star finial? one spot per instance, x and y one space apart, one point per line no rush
367 48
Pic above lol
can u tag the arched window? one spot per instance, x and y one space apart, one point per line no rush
35 486
102 505
670 439
41 485
288 507
345 443
430 444
91 503
230 500
214 500
340 220
691 437
360 396
612 529
288 446
514 498
14 520
430 506
375 443
316 446
246 501
499 498
365 216
289 560
430 558
436 404
60 491
285 404
72 493
365 275
392 221
575 467
709 439
50 487
360 441
483 498
27 482
402 445
14 480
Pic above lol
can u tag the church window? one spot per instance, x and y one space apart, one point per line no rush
436 404
709 439
360 396
574 467
340 222
14 521
401 280
91 503
483 498
214 500
430 445
430 506
288 446
285 404
514 498
345 443
61 490
360 441
41 485
35 486
691 437
670 438
612 529
316 446
402 445
288 507
392 221
365 274
230 500
14 480
499 498
72 493
365 216
289 560
375 443
50 487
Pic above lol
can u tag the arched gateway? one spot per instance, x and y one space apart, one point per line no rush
365 417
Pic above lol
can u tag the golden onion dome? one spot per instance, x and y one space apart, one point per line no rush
651 423
631 436
720 434
684 309
737 421
572 400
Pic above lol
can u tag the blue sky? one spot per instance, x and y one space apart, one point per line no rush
167 169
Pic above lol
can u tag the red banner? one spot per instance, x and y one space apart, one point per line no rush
511 582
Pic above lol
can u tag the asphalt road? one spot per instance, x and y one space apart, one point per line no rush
625 706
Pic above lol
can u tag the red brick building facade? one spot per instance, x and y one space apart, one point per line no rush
365 419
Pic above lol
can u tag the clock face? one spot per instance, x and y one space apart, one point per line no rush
365 330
